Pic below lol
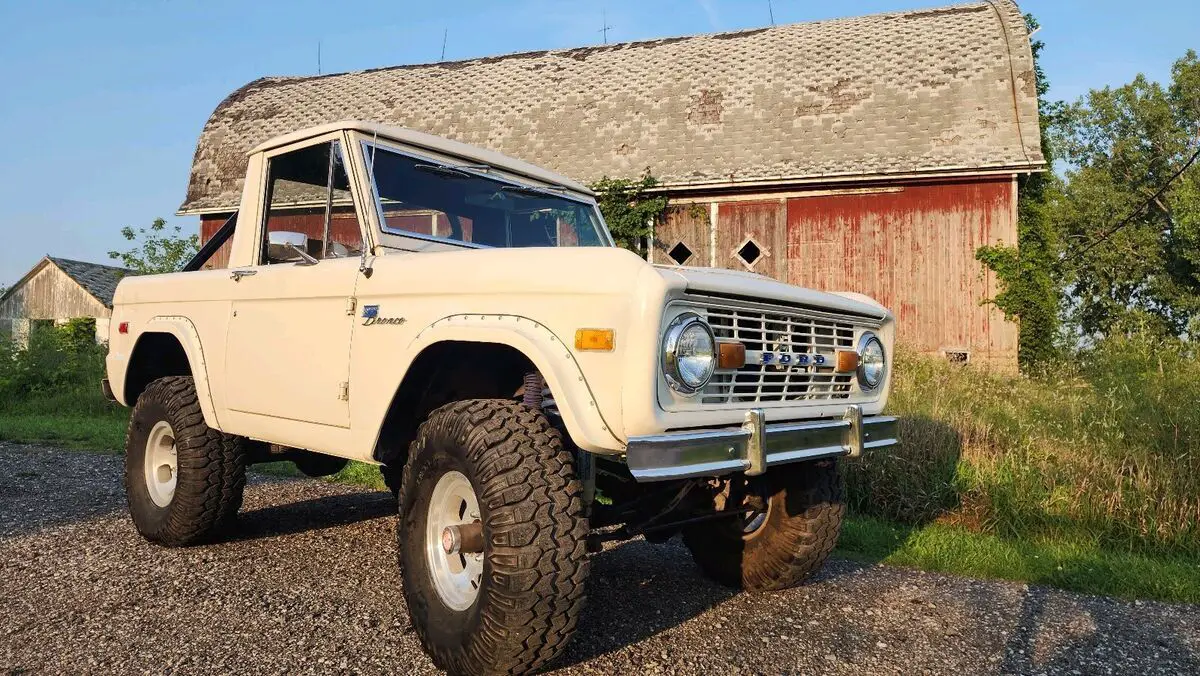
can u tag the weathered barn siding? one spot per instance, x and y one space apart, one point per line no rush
50 294
914 251
911 247
686 226
752 236
209 225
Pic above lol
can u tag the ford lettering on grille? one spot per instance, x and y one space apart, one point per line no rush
796 360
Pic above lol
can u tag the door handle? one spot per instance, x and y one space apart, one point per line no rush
237 275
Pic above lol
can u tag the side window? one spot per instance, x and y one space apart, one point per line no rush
309 204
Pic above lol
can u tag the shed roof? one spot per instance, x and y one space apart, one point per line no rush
98 280
939 90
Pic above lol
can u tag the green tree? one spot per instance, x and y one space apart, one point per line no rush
1133 258
157 249
630 209
1030 286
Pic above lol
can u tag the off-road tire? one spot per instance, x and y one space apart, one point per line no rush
211 472
804 519
534 528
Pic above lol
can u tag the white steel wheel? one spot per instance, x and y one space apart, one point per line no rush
161 465
456 574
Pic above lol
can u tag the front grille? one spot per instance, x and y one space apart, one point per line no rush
780 331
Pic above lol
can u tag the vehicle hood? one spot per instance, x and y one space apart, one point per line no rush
752 285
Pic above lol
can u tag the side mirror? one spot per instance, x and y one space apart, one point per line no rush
288 247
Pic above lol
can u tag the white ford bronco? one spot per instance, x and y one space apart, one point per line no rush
529 390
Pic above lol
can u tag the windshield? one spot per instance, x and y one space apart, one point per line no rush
425 199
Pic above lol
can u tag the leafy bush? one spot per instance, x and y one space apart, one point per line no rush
58 372
630 209
1103 450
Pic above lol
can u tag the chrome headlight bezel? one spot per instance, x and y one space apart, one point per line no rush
670 362
864 382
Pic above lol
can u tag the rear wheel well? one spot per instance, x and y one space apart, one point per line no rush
156 355
445 372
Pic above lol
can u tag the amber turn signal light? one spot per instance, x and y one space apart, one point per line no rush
595 340
731 355
847 361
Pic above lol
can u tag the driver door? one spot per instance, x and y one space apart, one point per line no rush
287 354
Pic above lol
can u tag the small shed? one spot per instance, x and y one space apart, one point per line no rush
58 290
872 154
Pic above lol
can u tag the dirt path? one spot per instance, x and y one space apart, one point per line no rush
309 585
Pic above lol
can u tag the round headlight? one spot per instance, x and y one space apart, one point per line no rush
872 361
689 354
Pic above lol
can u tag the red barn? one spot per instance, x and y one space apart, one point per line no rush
871 154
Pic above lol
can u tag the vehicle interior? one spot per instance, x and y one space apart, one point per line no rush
461 205
310 209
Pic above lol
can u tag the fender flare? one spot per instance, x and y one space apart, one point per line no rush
185 332
584 420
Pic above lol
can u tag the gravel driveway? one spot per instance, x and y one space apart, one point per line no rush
309 585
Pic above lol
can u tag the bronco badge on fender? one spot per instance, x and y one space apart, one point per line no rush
371 316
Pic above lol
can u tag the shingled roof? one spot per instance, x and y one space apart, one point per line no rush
939 90
98 280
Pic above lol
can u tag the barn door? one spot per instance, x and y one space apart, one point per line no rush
753 236
682 237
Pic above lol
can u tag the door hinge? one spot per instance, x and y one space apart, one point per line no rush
344 391
351 304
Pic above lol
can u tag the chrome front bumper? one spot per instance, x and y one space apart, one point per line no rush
755 446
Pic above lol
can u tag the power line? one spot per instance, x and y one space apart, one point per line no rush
445 34
1150 200
771 12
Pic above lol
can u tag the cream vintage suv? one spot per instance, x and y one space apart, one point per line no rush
529 390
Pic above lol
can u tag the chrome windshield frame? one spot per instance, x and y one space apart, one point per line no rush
369 146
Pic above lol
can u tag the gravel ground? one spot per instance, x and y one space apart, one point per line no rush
308 584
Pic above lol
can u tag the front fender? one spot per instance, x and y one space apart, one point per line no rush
587 424
185 332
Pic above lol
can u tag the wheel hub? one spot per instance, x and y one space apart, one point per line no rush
454 541
161 464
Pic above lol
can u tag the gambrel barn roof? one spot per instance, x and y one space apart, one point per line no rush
933 91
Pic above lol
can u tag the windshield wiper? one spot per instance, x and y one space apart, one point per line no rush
531 191
452 172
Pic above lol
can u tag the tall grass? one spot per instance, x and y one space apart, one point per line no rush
1103 451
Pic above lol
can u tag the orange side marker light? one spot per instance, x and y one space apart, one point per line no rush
594 340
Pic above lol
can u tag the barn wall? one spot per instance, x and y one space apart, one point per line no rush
911 247
209 225
686 225
914 251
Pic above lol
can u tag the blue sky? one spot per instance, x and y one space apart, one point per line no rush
101 102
